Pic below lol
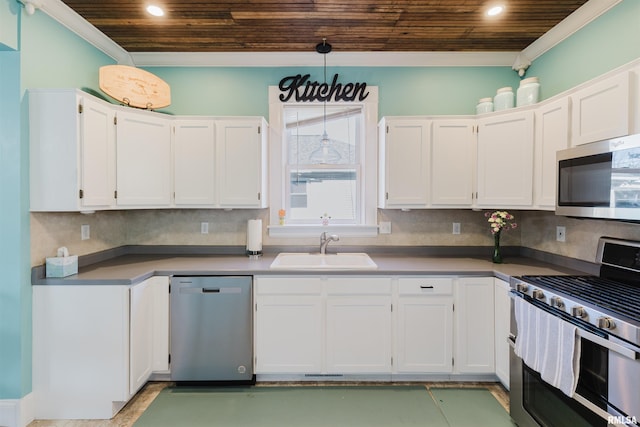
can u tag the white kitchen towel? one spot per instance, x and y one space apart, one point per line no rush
560 362
526 340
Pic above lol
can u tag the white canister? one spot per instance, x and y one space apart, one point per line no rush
504 99
528 92
485 105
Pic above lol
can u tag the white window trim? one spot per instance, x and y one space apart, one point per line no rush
369 227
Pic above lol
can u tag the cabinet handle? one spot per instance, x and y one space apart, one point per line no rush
426 286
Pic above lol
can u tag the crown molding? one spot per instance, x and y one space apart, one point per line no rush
568 26
74 22
297 59
77 24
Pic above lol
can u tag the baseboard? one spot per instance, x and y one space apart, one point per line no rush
17 412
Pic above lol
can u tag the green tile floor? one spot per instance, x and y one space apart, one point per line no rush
314 406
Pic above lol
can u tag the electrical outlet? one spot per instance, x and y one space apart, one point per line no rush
456 228
85 232
561 233
204 228
385 227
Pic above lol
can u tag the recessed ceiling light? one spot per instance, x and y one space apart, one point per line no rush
155 10
495 10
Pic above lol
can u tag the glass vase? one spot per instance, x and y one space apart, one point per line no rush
497 255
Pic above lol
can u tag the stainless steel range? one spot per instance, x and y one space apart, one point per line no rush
604 314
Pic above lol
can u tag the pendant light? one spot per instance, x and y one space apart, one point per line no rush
324 48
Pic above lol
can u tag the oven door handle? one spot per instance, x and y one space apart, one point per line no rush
627 352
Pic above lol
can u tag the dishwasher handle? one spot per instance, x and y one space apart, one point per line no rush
210 290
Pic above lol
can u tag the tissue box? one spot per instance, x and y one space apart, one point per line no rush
62 266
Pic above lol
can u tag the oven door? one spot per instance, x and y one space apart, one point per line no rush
601 394
535 403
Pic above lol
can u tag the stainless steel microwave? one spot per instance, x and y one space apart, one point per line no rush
600 179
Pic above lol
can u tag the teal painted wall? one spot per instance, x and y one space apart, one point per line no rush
402 91
605 44
15 286
9 11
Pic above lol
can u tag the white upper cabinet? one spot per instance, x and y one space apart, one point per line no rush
551 135
404 163
242 162
452 163
88 154
505 160
72 149
143 141
194 162
601 110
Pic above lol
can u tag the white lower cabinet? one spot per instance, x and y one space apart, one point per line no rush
424 325
358 325
474 331
335 325
502 323
288 328
90 350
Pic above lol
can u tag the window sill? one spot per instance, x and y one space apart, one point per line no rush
294 230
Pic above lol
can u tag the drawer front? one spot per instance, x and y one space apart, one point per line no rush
288 285
358 286
425 286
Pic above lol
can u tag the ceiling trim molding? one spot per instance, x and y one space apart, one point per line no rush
568 26
87 31
74 22
300 59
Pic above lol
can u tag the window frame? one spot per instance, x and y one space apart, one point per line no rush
368 162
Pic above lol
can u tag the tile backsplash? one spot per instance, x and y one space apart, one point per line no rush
109 229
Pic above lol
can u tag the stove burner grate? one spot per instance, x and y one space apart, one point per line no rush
617 297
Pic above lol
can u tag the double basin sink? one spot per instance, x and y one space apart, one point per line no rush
317 261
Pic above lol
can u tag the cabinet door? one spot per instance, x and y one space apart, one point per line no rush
194 162
358 334
289 334
160 329
552 134
424 334
141 335
405 160
97 154
502 319
143 159
452 163
601 111
241 157
505 161
474 315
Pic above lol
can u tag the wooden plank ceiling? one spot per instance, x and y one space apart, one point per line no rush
349 25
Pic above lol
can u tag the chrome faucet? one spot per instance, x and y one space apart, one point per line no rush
325 239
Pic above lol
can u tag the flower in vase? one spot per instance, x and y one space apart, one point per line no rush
500 220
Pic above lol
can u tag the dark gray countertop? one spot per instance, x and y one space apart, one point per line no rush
131 268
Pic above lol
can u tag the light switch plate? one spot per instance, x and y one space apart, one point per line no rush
85 232
204 228
456 228
561 233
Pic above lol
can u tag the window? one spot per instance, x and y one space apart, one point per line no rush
311 176
323 174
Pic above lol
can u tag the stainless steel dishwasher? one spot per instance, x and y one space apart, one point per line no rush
212 329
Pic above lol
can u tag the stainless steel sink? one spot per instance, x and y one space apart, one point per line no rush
307 261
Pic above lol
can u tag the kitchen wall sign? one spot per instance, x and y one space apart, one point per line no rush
300 88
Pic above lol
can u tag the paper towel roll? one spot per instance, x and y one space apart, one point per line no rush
254 236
